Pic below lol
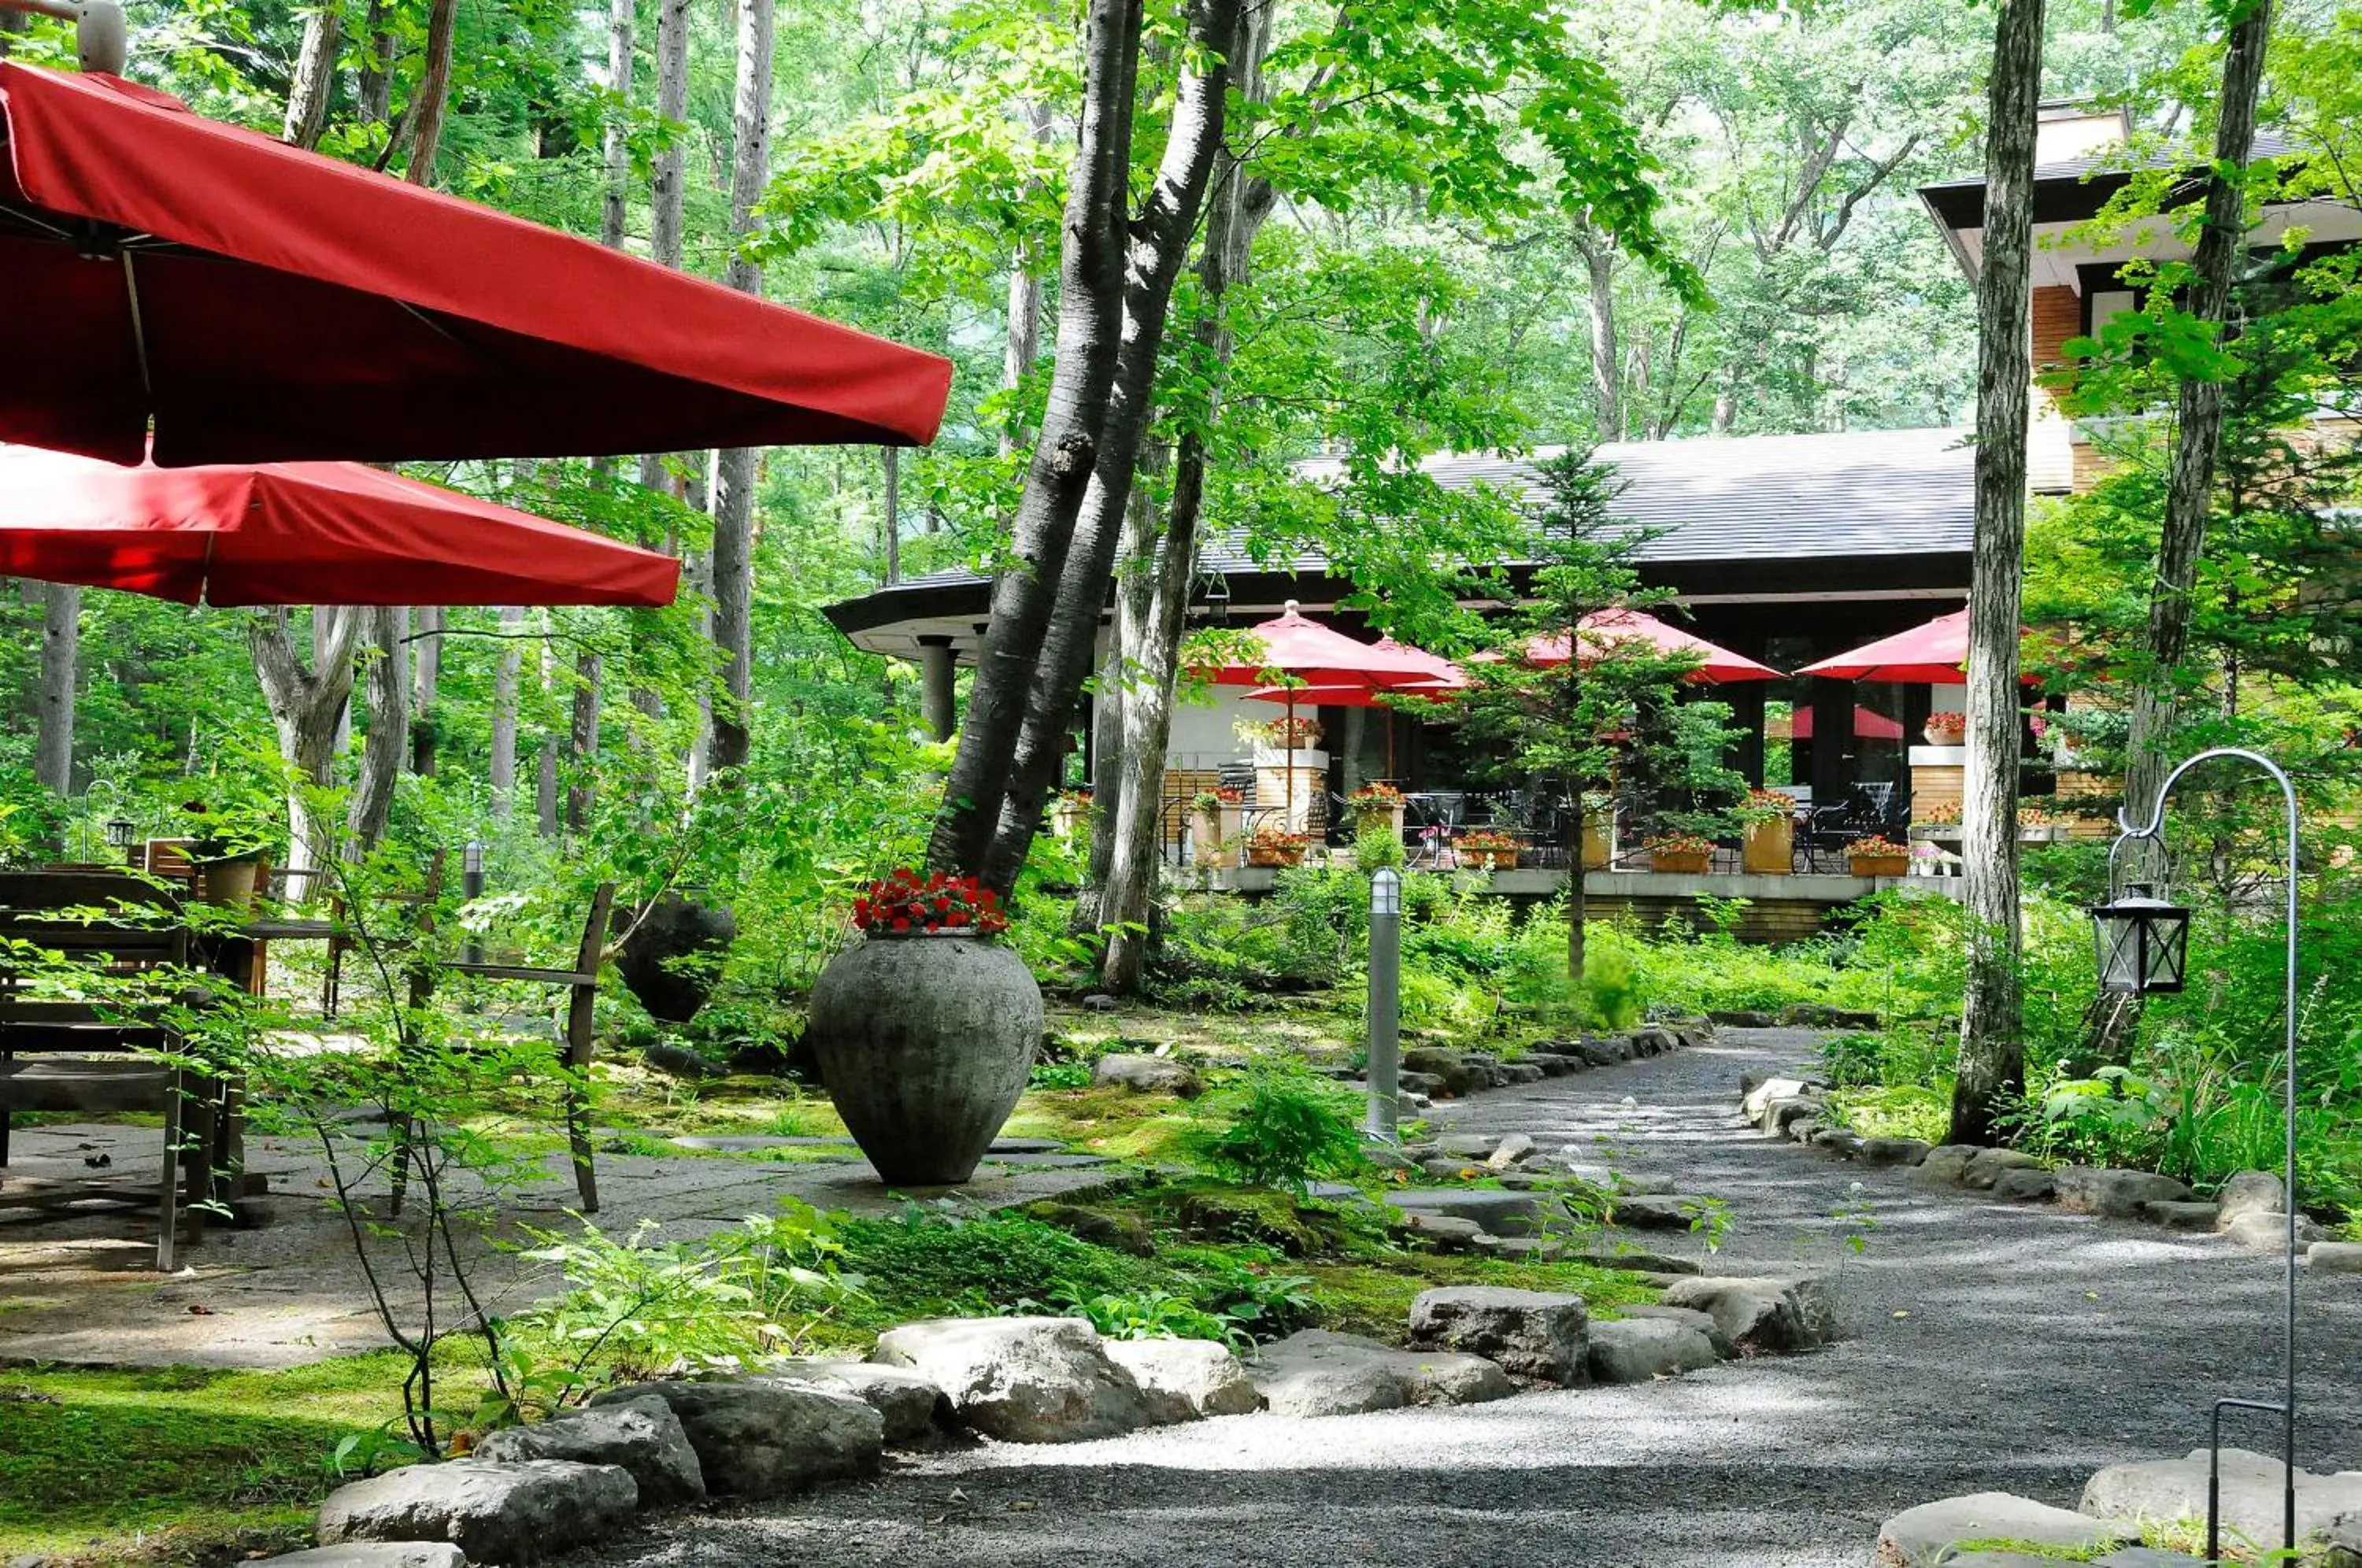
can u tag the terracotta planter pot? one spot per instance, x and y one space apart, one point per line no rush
1686 862
1488 859
1598 842
1878 865
1943 737
924 1043
1270 859
1769 847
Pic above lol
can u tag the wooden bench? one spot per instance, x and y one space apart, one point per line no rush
71 1042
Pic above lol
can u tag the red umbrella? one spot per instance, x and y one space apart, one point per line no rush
1936 654
1867 725
1604 627
252 302
1448 676
301 534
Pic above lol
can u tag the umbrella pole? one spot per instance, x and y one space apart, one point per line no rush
1287 769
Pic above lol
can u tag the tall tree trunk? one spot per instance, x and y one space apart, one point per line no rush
545 787
1993 1048
1023 346
1090 317
583 741
434 94
670 170
375 103
1158 241
889 527
315 75
737 469
60 655
1159 607
12 24
2198 436
389 730
1607 360
307 708
426 656
504 766
614 205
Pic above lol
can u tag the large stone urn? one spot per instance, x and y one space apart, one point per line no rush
924 1043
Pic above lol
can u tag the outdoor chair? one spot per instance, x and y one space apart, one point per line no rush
82 1052
332 982
581 983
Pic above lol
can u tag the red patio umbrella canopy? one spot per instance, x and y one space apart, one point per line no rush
1317 655
1604 627
1867 725
1934 654
257 302
301 534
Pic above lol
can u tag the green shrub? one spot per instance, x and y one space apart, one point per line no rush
1280 1126
1378 846
933 1261
1611 987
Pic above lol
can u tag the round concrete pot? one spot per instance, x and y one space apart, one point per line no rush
924 1043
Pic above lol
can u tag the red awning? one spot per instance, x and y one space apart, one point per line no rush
301 534
259 302
1605 627
1934 654
1867 725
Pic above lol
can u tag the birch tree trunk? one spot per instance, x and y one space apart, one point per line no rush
1023 346
503 765
582 740
1992 1050
315 76
1237 210
615 148
1090 315
1159 242
307 708
671 165
389 730
738 469
2198 434
60 656
1606 361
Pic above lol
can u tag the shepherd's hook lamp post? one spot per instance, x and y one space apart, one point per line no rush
1386 1000
2142 944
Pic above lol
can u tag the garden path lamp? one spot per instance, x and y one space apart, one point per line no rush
2142 944
1386 1000
120 831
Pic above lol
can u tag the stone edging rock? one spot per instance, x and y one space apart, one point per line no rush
2249 1210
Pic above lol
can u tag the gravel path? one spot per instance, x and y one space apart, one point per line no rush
1989 1347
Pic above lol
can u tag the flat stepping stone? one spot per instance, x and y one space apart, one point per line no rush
1026 1147
2253 1487
1047 1162
2334 1257
1926 1536
1502 1212
1665 1212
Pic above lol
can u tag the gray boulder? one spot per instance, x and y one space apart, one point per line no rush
1636 1350
1316 1373
1510 1151
371 1554
1021 1379
1187 1380
1474 1147
1502 1212
1985 1167
760 1437
1445 1232
2025 1185
2334 1257
1689 1318
1535 1334
1892 1151
493 1513
1842 1142
1924 1536
642 1436
908 1405
1658 1211
2260 1232
2248 1192
1762 1316
1947 1165
1513 1074
2162 1490
1451 1071
2114 1194
1757 1102
1149 1075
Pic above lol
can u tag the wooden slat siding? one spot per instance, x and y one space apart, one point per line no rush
1182 785
1933 789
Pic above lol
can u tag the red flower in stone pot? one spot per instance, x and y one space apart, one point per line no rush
905 904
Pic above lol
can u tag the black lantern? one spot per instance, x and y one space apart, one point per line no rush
2143 942
120 831
1217 599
